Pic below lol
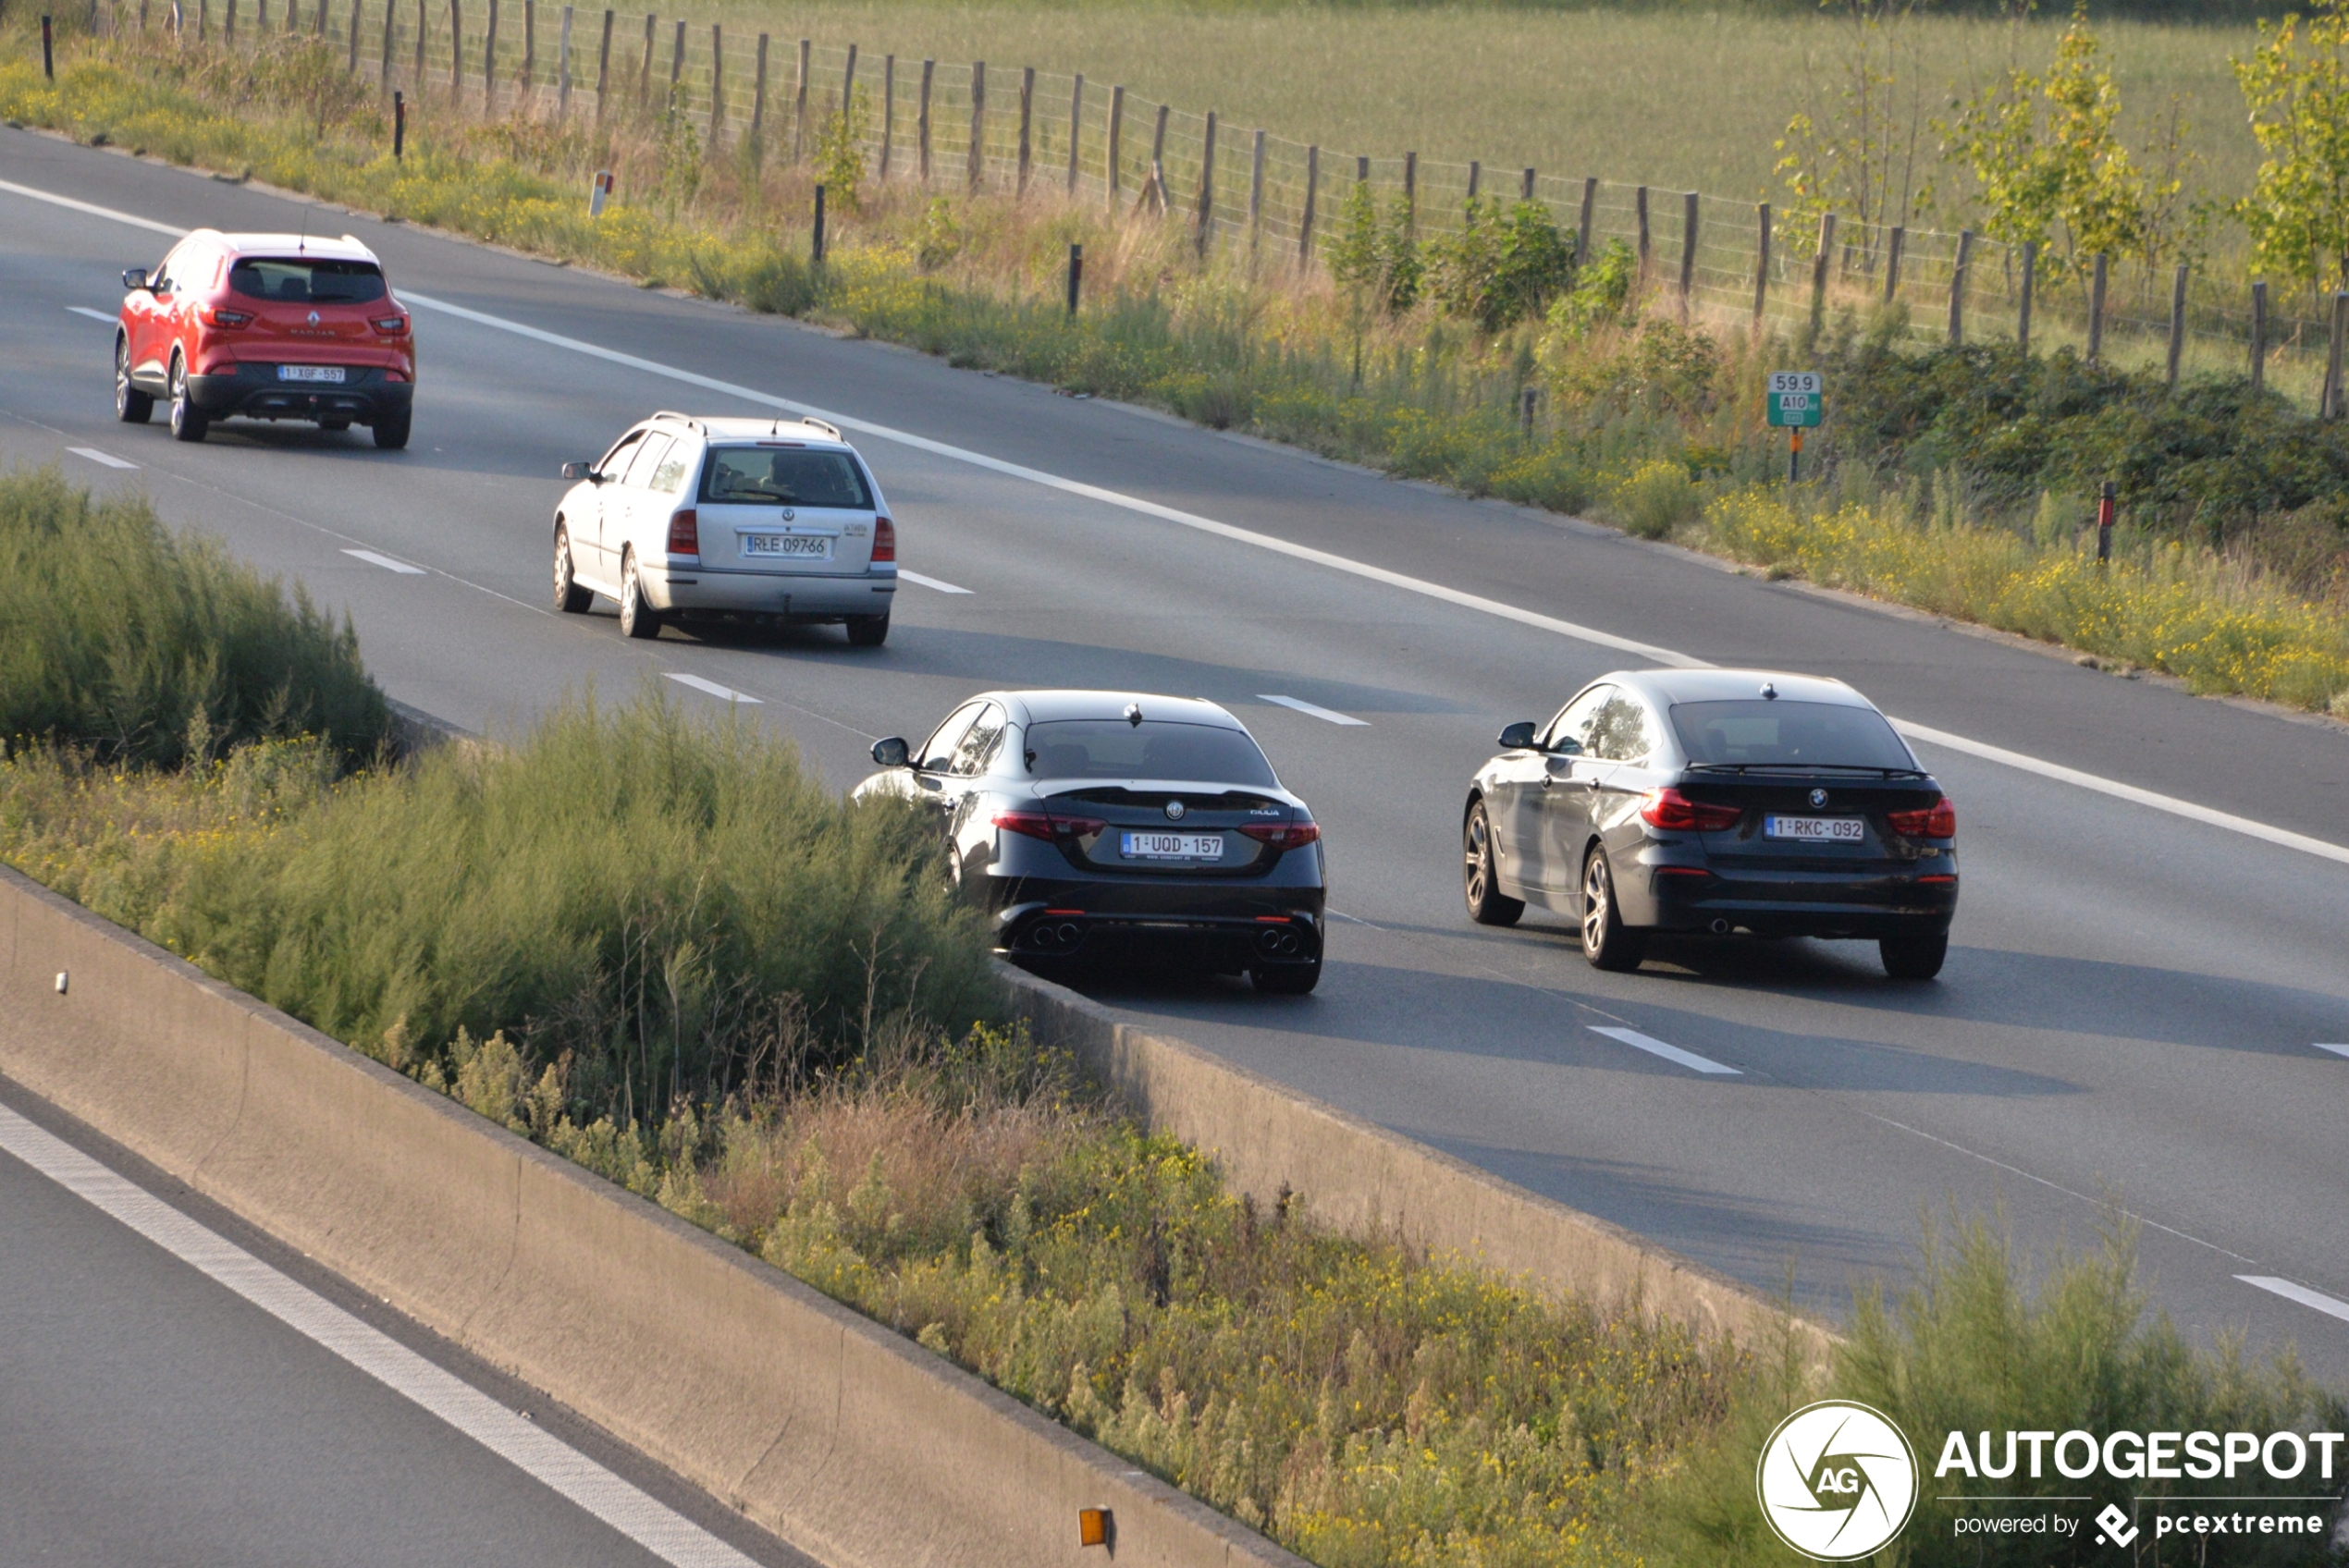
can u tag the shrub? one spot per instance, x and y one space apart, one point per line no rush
1658 498
1499 268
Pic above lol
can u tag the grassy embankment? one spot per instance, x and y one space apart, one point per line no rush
655 947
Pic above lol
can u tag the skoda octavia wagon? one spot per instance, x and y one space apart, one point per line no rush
1719 800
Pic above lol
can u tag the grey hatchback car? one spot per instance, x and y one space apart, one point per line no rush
1720 802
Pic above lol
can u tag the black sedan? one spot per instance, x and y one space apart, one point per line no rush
1113 825
1716 801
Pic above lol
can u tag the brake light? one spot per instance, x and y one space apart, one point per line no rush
1670 808
685 534
884 539
1045 826
213 315
1938 820
390 325
1283 835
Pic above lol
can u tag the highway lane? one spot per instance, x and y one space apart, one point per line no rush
2134 1005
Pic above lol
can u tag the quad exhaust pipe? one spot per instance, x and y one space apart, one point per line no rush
1720 928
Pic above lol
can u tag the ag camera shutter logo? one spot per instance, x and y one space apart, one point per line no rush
1837 1480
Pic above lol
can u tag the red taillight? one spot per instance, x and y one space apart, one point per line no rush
1938 821
1045 826
391 326
685 534
213 315
1283 835
1670 808
884 539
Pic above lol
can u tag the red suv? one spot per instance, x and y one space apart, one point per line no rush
268 327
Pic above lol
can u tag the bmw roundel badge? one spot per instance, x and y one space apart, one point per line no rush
1173 811
1818 797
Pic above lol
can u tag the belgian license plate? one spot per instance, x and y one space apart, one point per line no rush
1174 846
1816 830
798 547
329 373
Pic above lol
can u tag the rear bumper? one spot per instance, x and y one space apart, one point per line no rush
686 590
254 392
1228 926
1864 906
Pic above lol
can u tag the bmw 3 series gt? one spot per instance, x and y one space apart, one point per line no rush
1119 824
1718 801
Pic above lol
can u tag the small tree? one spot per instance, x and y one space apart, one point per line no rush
839 153
1379 257
1499 269
1852 148
2296 86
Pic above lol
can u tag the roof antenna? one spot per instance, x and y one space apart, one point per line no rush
1134 714
1769 691
302 244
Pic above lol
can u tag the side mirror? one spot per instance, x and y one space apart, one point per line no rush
1517 737
892 752
580 470
135 278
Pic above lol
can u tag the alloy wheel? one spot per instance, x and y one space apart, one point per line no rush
1595 900
1480 859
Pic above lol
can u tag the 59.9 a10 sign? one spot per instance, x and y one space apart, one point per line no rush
1797 398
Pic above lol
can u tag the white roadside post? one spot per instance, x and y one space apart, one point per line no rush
598 192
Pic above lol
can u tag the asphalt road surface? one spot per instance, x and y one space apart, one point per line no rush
2136 1005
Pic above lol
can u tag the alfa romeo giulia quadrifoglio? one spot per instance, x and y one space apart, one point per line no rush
1720 802
1121 825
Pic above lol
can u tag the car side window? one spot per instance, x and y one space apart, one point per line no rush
648 455
937 754
675 464
614 462
979 744
161 282
1574 721
1620 730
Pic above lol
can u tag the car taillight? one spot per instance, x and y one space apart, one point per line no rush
213 315
1045 826
1938 820
391 325
1670 808
685 534
1283 835
884 539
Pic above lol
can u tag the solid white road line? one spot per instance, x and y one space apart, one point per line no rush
2130 792
932 583
386 563
106 458
1331 715
1655 1046
2329 1306
563 1469
2337 1050
715 689
94 315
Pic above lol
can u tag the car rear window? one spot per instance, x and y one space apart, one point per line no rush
1763 733
784 476
298 281
1111 748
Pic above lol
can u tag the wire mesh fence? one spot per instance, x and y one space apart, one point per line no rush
976 125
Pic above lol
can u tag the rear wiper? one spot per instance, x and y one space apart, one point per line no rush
1805 767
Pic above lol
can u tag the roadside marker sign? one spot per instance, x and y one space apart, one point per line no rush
1797 398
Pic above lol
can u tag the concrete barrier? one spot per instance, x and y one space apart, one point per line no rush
1356 1175
848 1441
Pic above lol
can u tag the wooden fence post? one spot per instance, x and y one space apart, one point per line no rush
1362 171
758 103
423 29
488 59
1957 286
1116 130
2022 305
529 77
2330 407
1820 269
1026 127
848 81
1688 248
645 66
351 66
320 27
976 160
228 30
1476 175
677 68
921 122
2095 309
1075 126
2259 336
717 86
1639 203
1157 160
1762 260
1305 221
799 104
1411 192
391 15
1590 216
2177 323
1525 192
562 65
1206 236
1256 200
1893 262
456 48
603 68
888 110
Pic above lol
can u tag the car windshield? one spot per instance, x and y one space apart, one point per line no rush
304 282
773 476
1111 747
1756 733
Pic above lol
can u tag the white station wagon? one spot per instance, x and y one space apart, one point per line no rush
764 520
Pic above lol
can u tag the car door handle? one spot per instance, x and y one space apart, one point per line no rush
1547 780
1595 785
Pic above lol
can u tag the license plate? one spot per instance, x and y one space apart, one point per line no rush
1816 830
1174 846
799 546
330 374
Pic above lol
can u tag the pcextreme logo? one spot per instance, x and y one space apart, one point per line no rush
1837 1480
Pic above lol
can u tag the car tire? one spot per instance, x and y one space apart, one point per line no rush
1913 958
1606 941
1487 906
391 431
637 619
569 597
1287 979
131 405
867 630
188 421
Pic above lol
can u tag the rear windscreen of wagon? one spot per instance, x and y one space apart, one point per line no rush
302 281
784 476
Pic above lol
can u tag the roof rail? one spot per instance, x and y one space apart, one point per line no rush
827 426
686 420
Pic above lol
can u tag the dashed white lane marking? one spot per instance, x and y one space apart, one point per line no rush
1312 709
1655 1046
386 563
725 692
95 315
1597 638
932 583
2337 1050
2331 1306
563 1469
105 458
